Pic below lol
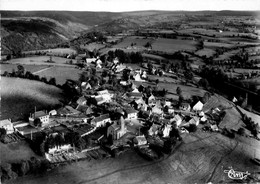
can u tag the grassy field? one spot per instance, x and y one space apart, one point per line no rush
173 45
206 51
61 74
31 68
136 40
41 60
255 117
54 51
92 46
201 158
19 97
15 152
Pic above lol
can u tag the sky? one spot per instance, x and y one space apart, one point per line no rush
129 5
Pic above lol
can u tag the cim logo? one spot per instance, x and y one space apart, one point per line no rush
236 175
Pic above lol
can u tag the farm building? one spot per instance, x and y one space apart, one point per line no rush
7 125
166 130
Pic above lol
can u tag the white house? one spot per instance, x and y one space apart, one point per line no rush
166 130
177 119
131 114
7 125
43 116
90 60
53 112
194 120
140 140
101 120
198 106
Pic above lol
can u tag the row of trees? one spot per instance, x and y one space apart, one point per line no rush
133 57
20 72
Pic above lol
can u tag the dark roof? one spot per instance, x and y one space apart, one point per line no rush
134 94
39 114
82 108
129 111
102 117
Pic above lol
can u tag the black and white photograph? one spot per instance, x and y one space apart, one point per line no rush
129 91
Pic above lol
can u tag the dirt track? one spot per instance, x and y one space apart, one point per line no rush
201 158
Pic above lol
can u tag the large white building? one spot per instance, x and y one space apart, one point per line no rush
43 116
7 125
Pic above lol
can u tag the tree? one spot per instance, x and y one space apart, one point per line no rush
157 82
204 83
8 57
2 133
52 81
37 122
205 97
241 131
192 128
178 91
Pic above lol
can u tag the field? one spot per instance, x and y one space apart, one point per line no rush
19 97
207 52
41 60
32 68
15 152
61 74
91 46
54 51
137 41
173 45
255 117
201 158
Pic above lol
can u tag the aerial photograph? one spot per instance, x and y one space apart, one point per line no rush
129 91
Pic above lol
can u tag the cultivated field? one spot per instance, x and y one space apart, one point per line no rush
205 52
202 158
136 40
41 60
32 68
92 46
173 45
61 74
19 97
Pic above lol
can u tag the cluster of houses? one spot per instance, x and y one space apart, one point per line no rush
128 114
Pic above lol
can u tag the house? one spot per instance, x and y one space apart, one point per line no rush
7 125
156 110
154 129
85 85
67 110
135 95
140 140
137 77
198 106
101 120
185 107
177 119
90 60
103 92
131 114
194 120
166 130
115 61
135 91
53 112
42 115
81 100
144 75
117 130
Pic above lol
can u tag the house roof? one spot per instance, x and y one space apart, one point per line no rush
81 100
5 122
134 94
82 108
198 105
39 114
130 111
102 117
103 92
141 138
99 99
194 120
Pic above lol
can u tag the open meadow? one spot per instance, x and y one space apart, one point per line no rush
19 97
32 68
173 45
53 51
42 60
61 74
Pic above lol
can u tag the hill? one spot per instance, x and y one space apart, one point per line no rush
30 30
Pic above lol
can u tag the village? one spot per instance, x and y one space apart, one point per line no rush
118 113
